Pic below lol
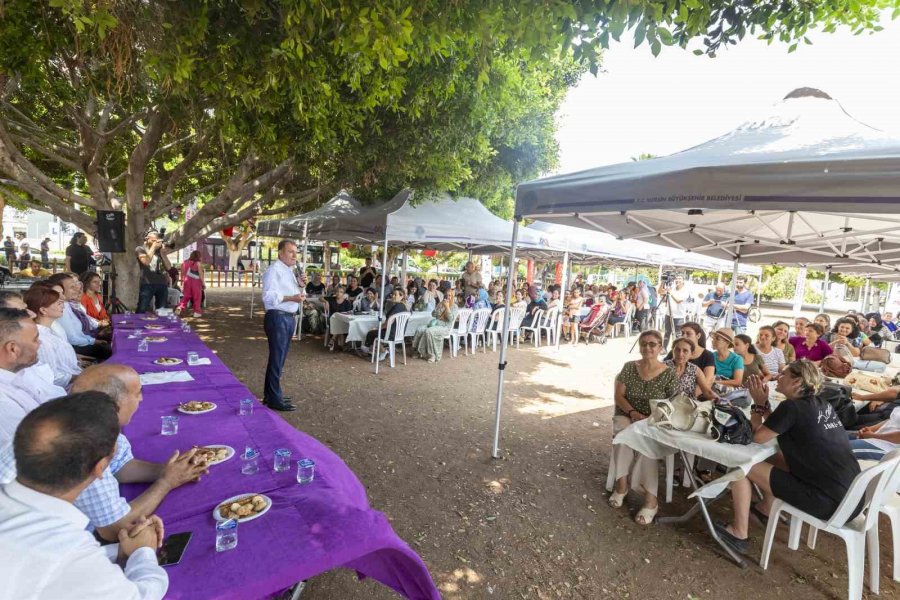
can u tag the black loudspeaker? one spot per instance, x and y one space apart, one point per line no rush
111 230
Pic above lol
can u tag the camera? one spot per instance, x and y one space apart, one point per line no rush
668 278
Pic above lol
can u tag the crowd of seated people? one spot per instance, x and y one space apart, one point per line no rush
818 454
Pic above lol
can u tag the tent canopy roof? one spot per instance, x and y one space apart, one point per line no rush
804 184
315 223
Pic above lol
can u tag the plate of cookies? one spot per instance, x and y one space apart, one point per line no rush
167 361
156 338
214 453
243 507
196 407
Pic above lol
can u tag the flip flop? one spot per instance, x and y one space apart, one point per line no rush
616 499
645 516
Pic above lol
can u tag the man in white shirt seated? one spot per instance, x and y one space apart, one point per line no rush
107 510
22 389
46 552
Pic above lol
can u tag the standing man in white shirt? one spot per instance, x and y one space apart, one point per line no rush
45 551
281 295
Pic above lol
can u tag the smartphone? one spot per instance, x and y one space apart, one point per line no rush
173 549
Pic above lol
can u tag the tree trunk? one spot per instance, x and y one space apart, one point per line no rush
128 278
233 257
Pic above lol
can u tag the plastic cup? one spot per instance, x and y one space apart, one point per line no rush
246 407
169 425
306 471
226 535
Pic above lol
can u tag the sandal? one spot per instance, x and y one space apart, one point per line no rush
616 499
646 515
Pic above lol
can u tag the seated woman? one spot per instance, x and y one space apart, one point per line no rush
54 350
811 346
499 300
519 300
367 302
617 313
754 365
412 294
429 340
873 442
537 303
782 335
92 298
331 289
691 380
846 334
823 320
700 356
815 466
639 382
339 303
432 296
397 306
878 332
573 316
772 356
729 365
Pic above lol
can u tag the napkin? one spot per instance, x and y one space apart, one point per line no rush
165 377
199 362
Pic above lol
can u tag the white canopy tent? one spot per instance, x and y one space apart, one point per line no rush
805 184
317 224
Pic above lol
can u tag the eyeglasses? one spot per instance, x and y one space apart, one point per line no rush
650 344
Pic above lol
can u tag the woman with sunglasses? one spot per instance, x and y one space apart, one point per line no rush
639 382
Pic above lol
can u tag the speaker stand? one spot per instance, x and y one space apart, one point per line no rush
115 305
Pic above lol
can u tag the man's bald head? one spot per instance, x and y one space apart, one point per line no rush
120 382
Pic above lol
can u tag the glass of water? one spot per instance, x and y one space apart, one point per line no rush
250 462
246 405
306 471
185 327
192 357
143 346
282 460
169 425
226 535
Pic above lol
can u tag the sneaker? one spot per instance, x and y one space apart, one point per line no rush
739 546
197 315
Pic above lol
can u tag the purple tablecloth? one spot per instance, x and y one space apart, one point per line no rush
309 530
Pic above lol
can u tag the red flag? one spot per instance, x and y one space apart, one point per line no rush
228 232
345 245
429 253
529 272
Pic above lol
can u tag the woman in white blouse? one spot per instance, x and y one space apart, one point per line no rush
55 351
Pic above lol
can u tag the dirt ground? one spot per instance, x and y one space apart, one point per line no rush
534 524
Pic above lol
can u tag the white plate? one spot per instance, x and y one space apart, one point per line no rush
160 339
219 462
198 412
178 361
220 518
154 327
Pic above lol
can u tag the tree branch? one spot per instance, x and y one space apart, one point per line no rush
57 158
54 206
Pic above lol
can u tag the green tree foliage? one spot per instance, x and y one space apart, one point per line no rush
248 108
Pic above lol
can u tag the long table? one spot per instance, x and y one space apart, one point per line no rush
310 528
357 326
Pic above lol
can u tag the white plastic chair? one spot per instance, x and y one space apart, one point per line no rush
549 325
478 326
871 485
891 509
535 327
393 336
460 331
626 324
495 327
516 316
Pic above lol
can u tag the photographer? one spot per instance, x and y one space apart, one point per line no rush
673 297
715 304
154 281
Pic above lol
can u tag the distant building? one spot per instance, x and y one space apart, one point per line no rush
33 226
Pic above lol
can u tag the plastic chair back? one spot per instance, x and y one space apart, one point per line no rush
869 487
496 322
399 322
463 316
516 316
480 320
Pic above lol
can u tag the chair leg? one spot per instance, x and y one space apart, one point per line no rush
391 350
811 537
895 542
856 558
403 347
770 535
670 477
873 554
794 533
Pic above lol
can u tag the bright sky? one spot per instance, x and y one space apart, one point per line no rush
677 100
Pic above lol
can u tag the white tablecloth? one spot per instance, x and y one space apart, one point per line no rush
357 326
658 443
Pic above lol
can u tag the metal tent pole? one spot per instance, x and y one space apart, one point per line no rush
799 291
305 242
565 286
864 298
825 289
403 267
384 275
501 367
729 314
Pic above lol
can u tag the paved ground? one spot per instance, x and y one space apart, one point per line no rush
534 524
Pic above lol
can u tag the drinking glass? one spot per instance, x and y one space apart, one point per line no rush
192 358
246 407
250 462
306 471
143 346
169 425
185 327
226 535
282 460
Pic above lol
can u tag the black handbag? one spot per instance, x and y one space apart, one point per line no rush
729 425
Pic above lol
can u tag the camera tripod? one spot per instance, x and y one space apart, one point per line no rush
114 305
670 322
